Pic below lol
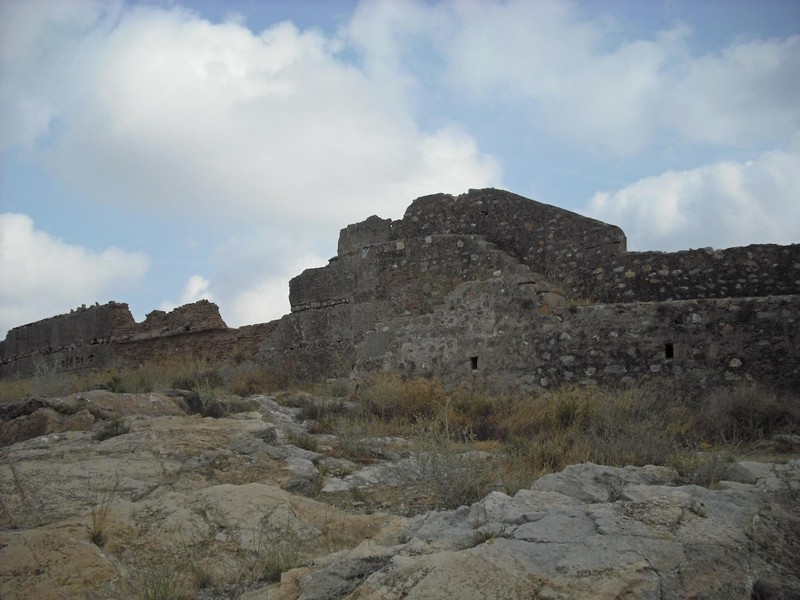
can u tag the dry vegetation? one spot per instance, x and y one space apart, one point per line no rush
528 436
465 441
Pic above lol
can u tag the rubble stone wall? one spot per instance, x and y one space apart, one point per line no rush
750 271
481 285
487 285
525 335
101 335
541 236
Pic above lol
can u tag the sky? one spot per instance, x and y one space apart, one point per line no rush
160 152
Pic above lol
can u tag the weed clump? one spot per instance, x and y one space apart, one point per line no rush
100 512
452 469
113 427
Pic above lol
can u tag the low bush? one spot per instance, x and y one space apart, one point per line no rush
745 413
160 581
113 427
390 397
452 470
100 512
701 468
246 378
302 440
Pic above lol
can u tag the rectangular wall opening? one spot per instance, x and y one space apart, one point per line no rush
473 362
669 351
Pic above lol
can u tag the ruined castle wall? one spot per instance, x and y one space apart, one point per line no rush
366 233
541 236
757 270
315 344
334 306
526 337
410 276
190 335
99 336
77 340
198 316
92 323
493 279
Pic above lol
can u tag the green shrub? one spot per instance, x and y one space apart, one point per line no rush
113 427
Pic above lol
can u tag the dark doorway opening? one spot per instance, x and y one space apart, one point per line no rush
473 362
669 350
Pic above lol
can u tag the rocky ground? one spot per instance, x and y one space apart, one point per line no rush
251 505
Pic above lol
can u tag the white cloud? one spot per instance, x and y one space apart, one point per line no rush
257 291
249 280
748 91
723 204
583 80
41 275
162 111
168 112
264 302
282 137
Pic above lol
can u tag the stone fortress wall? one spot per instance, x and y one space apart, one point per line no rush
101 335
503 289
488 286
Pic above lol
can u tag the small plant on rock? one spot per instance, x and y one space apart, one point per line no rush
159 582
114 427
100 512
302 440
455 473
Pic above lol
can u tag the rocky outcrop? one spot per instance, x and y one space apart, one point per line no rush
233 507
591 532
36 417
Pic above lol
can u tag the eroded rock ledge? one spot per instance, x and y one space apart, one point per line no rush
590 532
217 488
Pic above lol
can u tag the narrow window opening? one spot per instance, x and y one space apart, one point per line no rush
473 362
669 350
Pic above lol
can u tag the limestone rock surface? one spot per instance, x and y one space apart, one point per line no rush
232 504
601 532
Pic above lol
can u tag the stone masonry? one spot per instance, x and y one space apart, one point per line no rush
487 286
101 335
510 292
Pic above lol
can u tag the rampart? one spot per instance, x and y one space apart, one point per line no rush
510 291
101 335
487 286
